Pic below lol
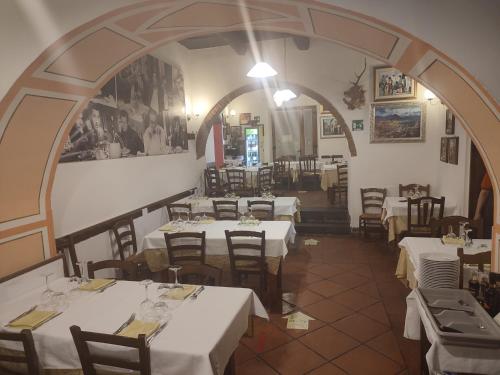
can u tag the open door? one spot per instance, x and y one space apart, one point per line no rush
477 171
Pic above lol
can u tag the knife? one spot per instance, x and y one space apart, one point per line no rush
155 333
197 293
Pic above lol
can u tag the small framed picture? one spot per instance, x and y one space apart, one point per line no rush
357 125
256 119
245 118
453 150
391 84
443 156
450 123
330 127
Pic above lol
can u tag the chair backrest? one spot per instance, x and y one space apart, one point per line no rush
213 184
339 157
372 200
200 274
327 157
423 209
124 233
262 209
307 164
186 247
178 209
19 363
264 179
226 209
128 269
236 179
282 168
342 174
405 190
242 250
480 259
441 227
89 358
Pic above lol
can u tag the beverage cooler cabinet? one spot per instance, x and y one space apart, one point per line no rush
252 156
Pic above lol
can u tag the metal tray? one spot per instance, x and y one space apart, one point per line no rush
458 319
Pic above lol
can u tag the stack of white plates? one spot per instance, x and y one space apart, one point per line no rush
439 270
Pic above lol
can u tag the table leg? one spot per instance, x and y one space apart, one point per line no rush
425 345
275 291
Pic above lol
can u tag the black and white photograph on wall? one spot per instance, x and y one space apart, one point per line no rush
443 155
330 127
357 125
450 123
453 150
139 112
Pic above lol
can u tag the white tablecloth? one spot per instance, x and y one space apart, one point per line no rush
329 176
450 358
282 205
200 338
398 206
278 234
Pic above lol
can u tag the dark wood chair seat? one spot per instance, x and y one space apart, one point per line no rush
372 200
213 183
125 238
308 173
339 189
176 210
17 362
226 209
480 259
129 270
200 274
186 247
262 209
441 227
419 215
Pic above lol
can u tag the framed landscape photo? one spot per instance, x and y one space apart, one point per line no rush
397 122
391 84
443 155
330 127
357 125
450 123
453 150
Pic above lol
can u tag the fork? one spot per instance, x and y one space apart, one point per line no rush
156 333
197 293
129 320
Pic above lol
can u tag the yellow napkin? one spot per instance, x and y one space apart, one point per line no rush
32 320
178 293
168 228
138 327
453 241
207 221
96 284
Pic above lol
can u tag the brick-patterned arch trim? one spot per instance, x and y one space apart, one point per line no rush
213 115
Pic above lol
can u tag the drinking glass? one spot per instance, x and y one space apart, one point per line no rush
82 266
161 310
47 294
146 305
451 234
176 270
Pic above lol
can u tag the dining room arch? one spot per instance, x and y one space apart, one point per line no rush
212 116
59 83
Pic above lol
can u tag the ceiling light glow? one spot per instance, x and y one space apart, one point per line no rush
261 70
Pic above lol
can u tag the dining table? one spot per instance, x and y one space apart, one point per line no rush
199 338
329 176
395 213
413 247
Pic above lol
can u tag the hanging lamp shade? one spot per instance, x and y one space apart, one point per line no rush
281 96
261 70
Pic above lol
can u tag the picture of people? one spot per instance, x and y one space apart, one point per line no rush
443 156
330 127
139 112
450 123
391 84
453 150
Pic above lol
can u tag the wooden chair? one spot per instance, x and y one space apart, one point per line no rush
124 233
213 183
264 179
186 247
179 209
283 173
341 187
226 209
17 363
128 270
200 274
236 179
247 257
308 172
89 358
262 209
424 208
372 200
405 190
339 157
480 259
441 227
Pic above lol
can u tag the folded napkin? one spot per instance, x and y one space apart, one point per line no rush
180 294
453 241
33 319
138 327
96 284
168 228
207 221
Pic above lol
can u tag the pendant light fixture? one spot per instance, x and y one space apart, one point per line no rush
261 70
283 95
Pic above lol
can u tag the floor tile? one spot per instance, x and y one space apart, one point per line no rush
354 300
326 288
303 297
376 312
329 342
327 369
266 336
295 333
363 361
255 366
327 311
242 354
326 270
349 279
369 288
293 359
387 345
360 327
363 270
306 278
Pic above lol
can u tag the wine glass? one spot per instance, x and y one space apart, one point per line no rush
176 269
47 294
146 305
83 274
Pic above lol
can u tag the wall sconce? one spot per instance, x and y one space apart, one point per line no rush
430 96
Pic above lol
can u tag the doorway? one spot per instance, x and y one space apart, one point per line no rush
477 172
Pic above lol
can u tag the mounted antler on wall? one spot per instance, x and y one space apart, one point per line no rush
355 97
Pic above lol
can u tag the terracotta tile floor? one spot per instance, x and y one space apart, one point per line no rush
348 285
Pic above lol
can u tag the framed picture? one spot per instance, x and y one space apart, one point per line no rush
397 122
450 123
245 118
330 127
453 150
391 84
256 119
443 155
357 125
